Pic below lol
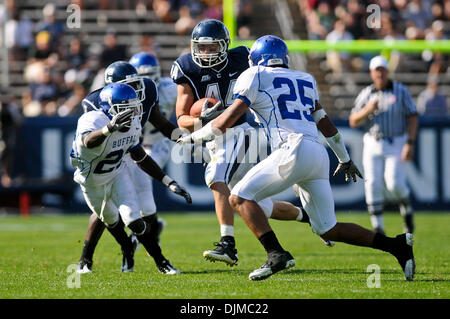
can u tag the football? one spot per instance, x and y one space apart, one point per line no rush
196 108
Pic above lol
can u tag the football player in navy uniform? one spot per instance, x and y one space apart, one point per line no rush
211 70
124 72
155 143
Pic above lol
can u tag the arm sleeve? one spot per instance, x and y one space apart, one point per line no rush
247 85
177 74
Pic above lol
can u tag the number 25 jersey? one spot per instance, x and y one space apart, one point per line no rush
99 165
281 100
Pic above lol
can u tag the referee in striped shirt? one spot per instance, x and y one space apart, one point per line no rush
389 116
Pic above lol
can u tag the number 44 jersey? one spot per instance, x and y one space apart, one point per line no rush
99 165
281 100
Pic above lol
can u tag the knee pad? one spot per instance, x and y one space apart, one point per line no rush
138 227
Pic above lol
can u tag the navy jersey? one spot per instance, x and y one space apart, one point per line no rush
92 100
209 82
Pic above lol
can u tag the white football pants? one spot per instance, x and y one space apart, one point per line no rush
383 166
303 161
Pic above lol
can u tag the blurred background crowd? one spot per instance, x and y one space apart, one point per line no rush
56 66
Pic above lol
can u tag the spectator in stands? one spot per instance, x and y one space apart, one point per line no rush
163 10
76 57
213 9
42 51
145 44
51 25
112 51
41 56
244 18
73 95
185 22
436 60
338 60
430 102
320 21
419 12
42 95
18 36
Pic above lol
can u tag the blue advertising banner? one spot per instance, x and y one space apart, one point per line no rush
44 144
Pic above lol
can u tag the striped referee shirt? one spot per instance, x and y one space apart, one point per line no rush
394 106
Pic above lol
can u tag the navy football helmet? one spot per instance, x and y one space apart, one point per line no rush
269 50
209 34
117 97
124 72
147 65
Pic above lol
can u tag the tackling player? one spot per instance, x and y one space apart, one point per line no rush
286 102
211 70
102 139
122 71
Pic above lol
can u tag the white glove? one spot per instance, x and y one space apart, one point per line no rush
208 114
120 120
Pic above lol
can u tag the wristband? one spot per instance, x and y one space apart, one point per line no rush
105 131
167 180
204 134
337 145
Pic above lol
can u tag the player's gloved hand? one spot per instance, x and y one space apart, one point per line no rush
177 189
349 169
185 139
208 114
120 120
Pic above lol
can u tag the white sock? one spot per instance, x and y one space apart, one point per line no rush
227 230
377 221
405 209
300 214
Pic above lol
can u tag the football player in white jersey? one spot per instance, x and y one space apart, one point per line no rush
103 137
124 72
286 103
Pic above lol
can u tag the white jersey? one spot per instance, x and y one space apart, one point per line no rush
167 93
99 165
282 101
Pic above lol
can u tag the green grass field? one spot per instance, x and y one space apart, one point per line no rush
36 253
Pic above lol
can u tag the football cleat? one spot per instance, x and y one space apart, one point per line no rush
84 266
328 243
405 255
275 262
165 267
128 258
127 262
225 251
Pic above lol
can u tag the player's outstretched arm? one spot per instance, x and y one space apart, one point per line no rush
217 126
148 165
336 142
95 138
159 121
